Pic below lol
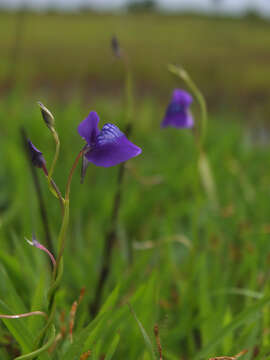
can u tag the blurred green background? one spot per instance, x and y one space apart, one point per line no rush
66 54
200 272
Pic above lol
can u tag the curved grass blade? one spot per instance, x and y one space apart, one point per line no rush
41 350
144 333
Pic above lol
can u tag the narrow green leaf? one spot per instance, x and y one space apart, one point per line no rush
9 293
86 337
76 348
112 347
146 338
245 316
34 323
41 350
111 301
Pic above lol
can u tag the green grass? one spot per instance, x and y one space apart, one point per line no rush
200 273
63 53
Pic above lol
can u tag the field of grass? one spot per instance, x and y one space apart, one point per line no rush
64 53
198 270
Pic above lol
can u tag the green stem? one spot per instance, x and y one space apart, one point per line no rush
64 226
72 172
203 163
62 236
52 186
54 189
39 351
181 73
59 195
57 150
58 269
41 335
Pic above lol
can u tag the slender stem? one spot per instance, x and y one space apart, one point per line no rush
42 333
72 172
62 236
36 244
59 195
57 150
64 226
58 268
18 316
42 208
203 163
180 72
39 351
109 242
111 235
52 186
55 188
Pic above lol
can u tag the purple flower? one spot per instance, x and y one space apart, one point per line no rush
36 155
108 146
177 113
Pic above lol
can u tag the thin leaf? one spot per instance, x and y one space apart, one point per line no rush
41 350
144 333
242 318
85 339
77 347
35 323
113 347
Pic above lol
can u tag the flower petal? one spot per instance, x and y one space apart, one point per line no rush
183 119
112 147
35 155
182 97
88 128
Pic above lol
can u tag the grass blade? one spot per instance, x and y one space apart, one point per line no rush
242 318
113 347
146 338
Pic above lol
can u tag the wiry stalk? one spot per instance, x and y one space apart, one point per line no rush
42 208
111 235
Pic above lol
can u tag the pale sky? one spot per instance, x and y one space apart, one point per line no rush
226 5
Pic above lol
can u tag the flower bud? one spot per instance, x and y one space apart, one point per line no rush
36 156
47 116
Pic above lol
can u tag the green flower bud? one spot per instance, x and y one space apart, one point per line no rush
47 116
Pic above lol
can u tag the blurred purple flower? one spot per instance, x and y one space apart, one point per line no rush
108 146
36 156
177 113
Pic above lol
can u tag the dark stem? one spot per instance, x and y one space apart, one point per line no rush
42 208
110 238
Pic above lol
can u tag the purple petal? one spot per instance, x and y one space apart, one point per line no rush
88 128
35 155
182 97
181 120
112 147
